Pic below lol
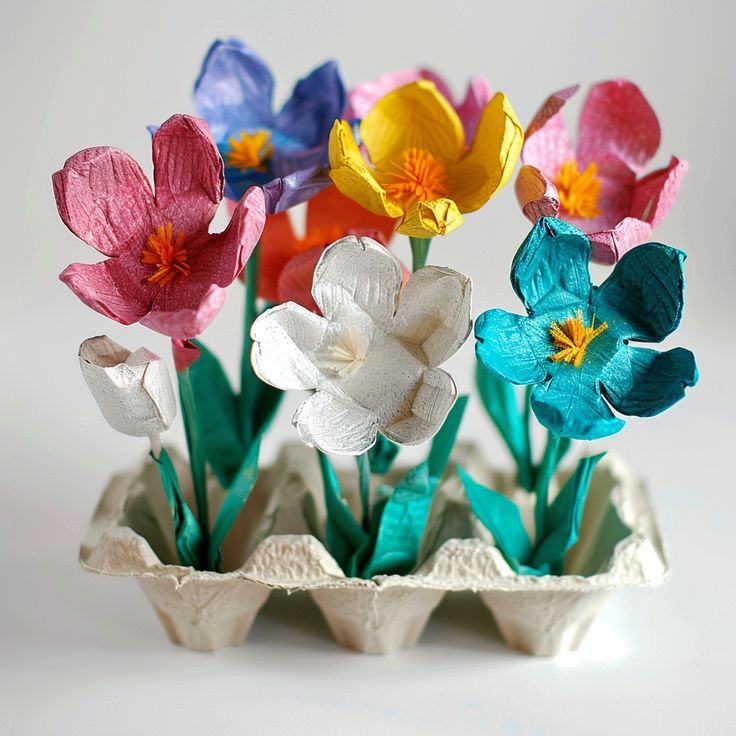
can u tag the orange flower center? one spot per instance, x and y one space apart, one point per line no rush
572 338
250 151
166 254
419 177
578 191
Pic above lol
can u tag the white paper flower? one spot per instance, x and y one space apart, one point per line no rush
132 389
372 359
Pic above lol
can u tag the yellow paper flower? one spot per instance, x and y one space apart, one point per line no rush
420 168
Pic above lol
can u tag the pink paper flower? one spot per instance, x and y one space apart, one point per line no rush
595 185
164 270
362 97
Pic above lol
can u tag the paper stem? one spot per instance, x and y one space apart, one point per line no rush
541 486
252 272
364 483
526 472
195 446
155 440
419 252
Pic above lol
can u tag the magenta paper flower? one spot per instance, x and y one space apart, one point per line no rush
164 270
362 97
595 185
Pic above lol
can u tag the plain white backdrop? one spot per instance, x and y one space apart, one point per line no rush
84 655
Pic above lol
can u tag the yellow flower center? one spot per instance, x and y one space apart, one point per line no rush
250 151
418 178
572 338
166 254
578 192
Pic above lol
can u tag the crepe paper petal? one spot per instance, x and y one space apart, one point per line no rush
295 280
430 218
570 406
478 95
188 174
234 89
169 316
358 272
104 198
351 175
644 295
617 119
434 312
299 186
132 389
413 116
564 516
547 145
644 382
313 106
655 194
501 516
609 245
382 455
278 245
507 345
283 338
187 532
185 352
537 195
550 270
492 157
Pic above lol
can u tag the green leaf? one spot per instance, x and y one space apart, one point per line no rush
382 455
500 515
187 533
564 516
444 440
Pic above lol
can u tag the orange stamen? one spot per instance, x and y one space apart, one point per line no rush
250 151
579 192
572 338
419 177
169 256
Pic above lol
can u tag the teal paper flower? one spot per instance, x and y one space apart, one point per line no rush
575 342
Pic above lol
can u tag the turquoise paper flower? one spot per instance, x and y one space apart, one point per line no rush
575 342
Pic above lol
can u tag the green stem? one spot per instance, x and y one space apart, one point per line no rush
541 487
419 252
195 446
252 270
364 483
526 474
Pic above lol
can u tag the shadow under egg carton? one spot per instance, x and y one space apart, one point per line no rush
271 547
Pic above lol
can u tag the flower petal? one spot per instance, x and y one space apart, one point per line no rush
478 95
571 405
278 247
643 382
105 199
550 270
184 313
413 116
617 119
334 425
609 245
352 176
430 405
185 353
234 90
295 280
434 312
513 346
655 194
283 338
489 163
547 143
313 106
537 195
644 296
430 218
360 272
295 188
188 174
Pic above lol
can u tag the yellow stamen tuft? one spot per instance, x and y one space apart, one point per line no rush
169 256
578 192
250 151
420 177
572 338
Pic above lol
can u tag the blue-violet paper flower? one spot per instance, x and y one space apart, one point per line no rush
575 342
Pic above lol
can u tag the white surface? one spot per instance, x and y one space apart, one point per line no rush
85 655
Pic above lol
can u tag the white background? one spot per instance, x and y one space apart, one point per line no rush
85 655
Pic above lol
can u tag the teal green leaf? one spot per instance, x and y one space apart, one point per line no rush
444 440
382 455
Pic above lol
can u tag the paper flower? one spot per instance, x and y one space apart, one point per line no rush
288 262
596 185
132 389
418 166
372 359
234 95
363 96
164 269
574 344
